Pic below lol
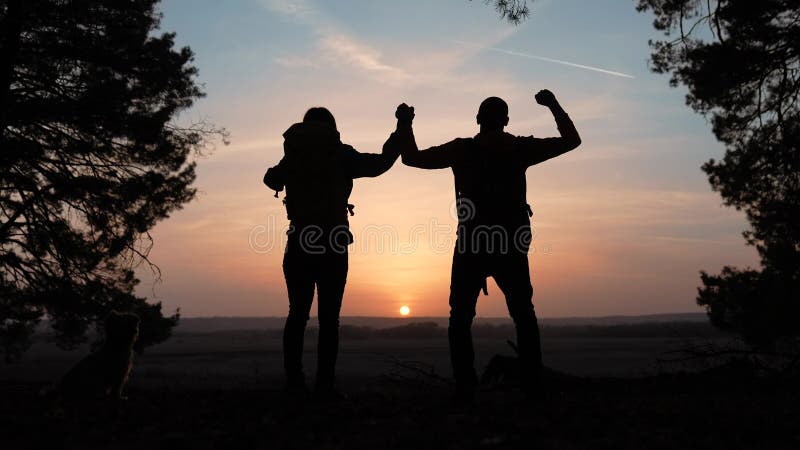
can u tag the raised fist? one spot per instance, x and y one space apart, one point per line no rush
546 98
404 113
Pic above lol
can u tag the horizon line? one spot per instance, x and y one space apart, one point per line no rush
446 317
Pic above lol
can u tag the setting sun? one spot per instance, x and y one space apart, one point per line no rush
405 310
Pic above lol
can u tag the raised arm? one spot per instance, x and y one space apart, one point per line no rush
534 150
439 157
374 164
371 164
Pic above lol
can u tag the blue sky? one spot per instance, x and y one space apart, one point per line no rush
623 224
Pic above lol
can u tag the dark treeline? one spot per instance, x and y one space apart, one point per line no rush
433 330
425 330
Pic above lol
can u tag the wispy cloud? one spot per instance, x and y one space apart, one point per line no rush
344 48
337 46
544 58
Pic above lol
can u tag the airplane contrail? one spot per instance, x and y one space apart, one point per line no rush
544 58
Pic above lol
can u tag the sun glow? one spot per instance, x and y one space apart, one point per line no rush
405 310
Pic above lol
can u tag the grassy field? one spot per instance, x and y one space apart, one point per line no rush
223 390
248 357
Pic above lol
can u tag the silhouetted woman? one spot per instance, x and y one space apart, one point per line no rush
317 171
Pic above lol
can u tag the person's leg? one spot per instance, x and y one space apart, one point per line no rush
465 284
331 285
511 272
300 285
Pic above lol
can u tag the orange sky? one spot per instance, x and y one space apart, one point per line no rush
622 225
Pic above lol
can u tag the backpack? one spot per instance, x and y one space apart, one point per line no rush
317 181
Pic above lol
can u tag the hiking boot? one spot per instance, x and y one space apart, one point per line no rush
464 396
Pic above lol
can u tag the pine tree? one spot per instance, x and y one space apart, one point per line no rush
92 158
740 61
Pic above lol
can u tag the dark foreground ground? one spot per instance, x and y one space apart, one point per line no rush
223 390
675 412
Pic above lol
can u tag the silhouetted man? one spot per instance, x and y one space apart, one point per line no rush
317 171
494 227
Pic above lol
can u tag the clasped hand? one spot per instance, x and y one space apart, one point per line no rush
404 114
